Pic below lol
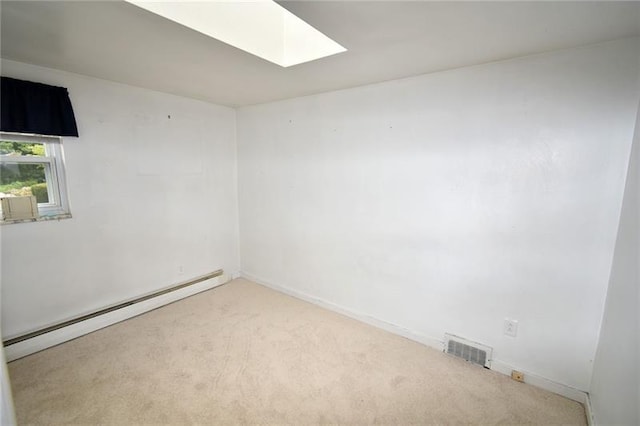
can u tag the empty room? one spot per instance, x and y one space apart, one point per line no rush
320 212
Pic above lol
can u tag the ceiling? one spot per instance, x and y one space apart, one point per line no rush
118 41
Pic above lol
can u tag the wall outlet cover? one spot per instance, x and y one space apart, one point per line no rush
510 327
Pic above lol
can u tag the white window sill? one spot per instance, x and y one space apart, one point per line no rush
40 219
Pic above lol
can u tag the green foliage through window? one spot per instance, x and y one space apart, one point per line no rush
20 148
18 178
39 190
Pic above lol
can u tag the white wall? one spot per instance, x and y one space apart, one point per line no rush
7 414
440 203
149 194
615 387
449 201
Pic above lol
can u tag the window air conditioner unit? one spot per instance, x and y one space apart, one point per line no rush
19 208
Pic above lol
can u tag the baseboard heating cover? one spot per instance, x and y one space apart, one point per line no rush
113 308
475 353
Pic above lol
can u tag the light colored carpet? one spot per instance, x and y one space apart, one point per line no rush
242 353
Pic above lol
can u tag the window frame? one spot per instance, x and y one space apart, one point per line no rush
55 177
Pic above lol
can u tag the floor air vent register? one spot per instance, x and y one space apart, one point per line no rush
468 350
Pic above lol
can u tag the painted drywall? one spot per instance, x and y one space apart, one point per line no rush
152 188
7 415
450 201
615 386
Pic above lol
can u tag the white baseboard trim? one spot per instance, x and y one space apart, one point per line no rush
56 337
392 328
496 365
541 382
588 408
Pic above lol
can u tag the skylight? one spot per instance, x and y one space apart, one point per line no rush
260 27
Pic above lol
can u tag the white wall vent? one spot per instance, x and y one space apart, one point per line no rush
473 352
19 208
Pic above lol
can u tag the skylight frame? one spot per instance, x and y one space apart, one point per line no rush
260 27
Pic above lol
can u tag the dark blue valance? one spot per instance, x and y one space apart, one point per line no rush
28 107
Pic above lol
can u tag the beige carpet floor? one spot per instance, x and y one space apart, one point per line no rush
242 353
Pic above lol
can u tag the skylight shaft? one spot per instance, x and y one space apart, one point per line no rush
260 27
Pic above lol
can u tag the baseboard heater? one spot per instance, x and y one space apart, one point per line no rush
103 311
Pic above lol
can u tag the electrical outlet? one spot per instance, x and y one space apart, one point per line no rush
180 270
510 327
517 375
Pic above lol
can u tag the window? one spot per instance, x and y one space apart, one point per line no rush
33 165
